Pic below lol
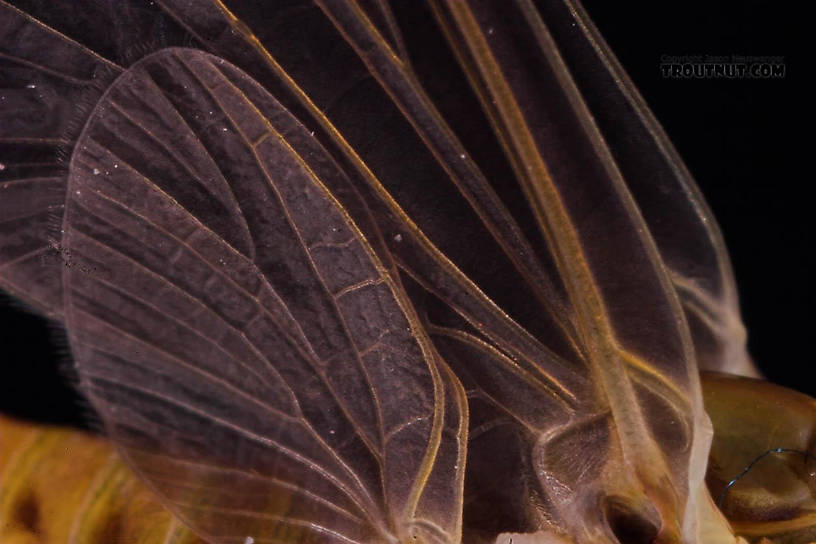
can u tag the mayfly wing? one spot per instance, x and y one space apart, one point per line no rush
55 62
48 97
236 332
44 75
643 421
518 305
640 361
370 137
374 89
681 223
621 330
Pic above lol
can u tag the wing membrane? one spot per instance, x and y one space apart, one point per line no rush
638 354
229 253
678 217
564 167
44 76
220 295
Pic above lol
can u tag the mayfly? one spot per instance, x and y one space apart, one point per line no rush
351 272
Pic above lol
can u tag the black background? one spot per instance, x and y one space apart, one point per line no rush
736 137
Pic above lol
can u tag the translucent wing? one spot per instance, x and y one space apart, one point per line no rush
658 180
682 225
644 410
477 160
44 76
236 332
55 62
607 355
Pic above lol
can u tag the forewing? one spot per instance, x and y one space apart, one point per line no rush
234 328
580 309
645 408
563 334
43 75
681 223
609 315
